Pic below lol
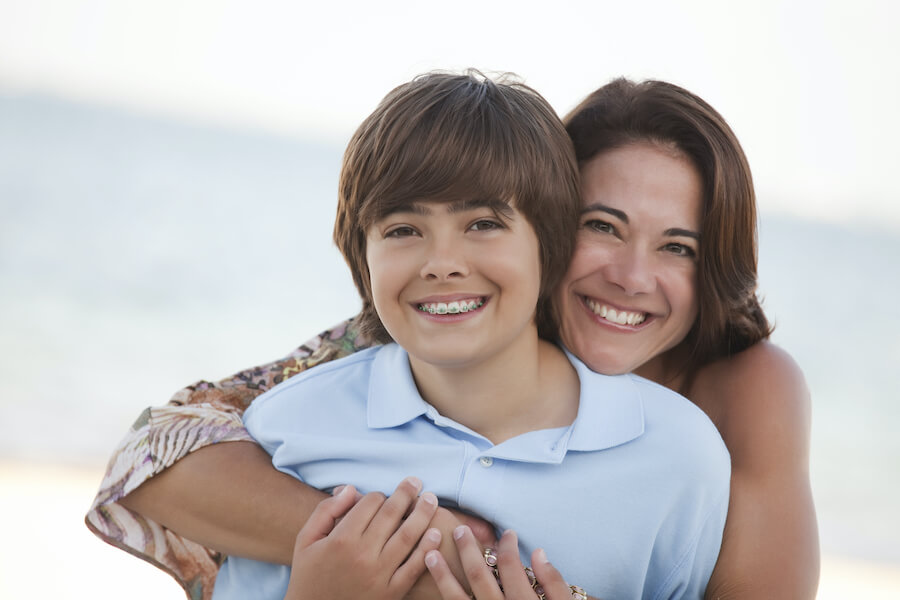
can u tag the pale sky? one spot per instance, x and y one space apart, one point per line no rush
812 88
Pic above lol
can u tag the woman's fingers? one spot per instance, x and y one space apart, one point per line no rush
481 529
447 584
322 520
516 583
552 581
480 576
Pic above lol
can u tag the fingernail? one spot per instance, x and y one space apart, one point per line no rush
459 532
541 556
416 482
345 489
431 558
433 535
337 490
430 498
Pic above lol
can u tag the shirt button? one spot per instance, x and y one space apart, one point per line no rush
486 461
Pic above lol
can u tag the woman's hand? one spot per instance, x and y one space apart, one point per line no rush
369 547
484 586
446 521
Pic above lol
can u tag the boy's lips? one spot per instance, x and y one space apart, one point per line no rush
450 305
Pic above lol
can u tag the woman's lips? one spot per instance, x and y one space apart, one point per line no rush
613 315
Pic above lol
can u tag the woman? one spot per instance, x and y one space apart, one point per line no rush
662 283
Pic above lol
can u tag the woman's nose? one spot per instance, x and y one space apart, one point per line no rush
632 270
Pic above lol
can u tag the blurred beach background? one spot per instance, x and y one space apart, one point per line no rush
168 177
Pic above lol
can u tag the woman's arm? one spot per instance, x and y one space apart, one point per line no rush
760 402
199 416
173 482
230 498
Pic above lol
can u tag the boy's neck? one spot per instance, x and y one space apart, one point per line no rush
528 387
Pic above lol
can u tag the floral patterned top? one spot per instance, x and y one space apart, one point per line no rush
201 414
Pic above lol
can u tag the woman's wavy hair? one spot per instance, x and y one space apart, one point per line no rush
449 137
623 112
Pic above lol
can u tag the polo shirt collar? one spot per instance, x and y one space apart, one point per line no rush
610 409
393 396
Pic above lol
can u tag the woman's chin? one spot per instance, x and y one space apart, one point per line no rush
608 363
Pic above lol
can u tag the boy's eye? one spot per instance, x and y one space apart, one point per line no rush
401 231
485 225
679 249
600 226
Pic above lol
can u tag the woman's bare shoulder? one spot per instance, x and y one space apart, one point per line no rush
760 402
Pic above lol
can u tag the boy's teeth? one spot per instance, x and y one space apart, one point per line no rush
620 317
451 308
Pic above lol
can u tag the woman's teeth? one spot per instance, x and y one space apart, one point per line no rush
620 317
451 308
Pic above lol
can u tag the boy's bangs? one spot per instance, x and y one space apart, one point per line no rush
450 169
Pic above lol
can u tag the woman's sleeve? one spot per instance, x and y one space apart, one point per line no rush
201 414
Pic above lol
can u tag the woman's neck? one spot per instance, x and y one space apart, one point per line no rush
668 369
528 387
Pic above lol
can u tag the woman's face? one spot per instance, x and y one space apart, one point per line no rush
631 291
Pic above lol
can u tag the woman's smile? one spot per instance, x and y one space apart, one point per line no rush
630 293
613 315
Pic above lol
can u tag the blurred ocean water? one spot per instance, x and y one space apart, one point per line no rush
139 254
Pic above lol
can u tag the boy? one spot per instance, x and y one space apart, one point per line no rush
457 213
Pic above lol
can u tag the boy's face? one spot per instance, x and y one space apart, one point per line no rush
455 284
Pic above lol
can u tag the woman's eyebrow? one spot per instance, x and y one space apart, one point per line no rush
678 232
673 231
603 208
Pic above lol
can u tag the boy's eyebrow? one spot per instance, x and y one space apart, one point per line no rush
423 208
498 206
673 232
416 208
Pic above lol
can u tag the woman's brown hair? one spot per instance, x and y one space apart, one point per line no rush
449 138
623 112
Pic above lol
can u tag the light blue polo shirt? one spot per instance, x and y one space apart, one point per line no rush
629 501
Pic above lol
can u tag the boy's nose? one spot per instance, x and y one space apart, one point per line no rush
445 261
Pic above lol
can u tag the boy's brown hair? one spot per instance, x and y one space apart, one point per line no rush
449 137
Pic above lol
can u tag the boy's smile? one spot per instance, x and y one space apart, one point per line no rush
455 284
448 306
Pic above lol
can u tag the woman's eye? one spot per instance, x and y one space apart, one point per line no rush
402 231
485 225
600 226
680 250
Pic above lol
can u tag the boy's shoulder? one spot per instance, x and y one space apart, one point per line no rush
358 363
669 423
656 401
342 372
660 399
683 432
